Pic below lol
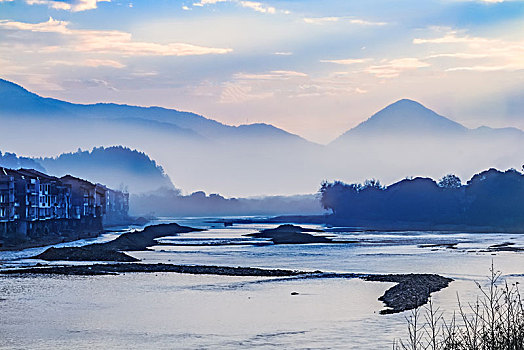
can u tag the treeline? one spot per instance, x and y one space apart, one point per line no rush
491 198
167 202
12 161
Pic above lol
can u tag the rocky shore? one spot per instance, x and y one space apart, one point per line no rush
291 234
112 251
411 290
109 269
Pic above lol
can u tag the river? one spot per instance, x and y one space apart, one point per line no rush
175 311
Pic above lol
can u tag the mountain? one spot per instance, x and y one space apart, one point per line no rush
405 118
117 167
17 101
233 160
406 139
402 140
408 118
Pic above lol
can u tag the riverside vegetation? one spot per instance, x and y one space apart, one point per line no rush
495 321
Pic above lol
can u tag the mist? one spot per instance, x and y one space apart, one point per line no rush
402 140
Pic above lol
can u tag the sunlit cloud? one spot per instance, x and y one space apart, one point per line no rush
253 5
461 55
90 63
257 6
357 21
281 84
234 92
107 41
321 20
393 68
89 83
72 5
277 74
452 38
489 54
366 23
348 61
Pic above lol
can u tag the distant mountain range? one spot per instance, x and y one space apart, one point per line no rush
17 101
404 139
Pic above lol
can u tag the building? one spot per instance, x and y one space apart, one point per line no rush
47 197
7 197
83 196
34 204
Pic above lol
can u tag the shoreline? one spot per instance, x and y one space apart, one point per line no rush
365 226
55 238
410 290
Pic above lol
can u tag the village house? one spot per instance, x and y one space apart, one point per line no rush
34 204
7 198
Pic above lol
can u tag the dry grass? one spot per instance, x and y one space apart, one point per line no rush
494 322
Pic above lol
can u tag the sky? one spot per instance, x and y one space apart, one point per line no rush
313 68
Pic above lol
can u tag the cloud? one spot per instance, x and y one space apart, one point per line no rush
366 23
88 83
106 41
452 38
276 74
257 6
253 5
393 68
357 21
71 5
321 20
239 93
486 54
282 84
90 62
347 61
208 2
283 53
461 55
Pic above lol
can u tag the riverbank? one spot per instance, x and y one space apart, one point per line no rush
20 242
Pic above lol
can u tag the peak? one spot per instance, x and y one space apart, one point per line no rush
406 103
406 117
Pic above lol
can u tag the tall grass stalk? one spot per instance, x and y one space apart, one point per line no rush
494 322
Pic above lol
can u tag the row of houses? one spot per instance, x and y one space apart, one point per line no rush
31 202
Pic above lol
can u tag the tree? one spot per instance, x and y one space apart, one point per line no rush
450 181
372 183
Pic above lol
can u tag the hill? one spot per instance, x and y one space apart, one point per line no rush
117 167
